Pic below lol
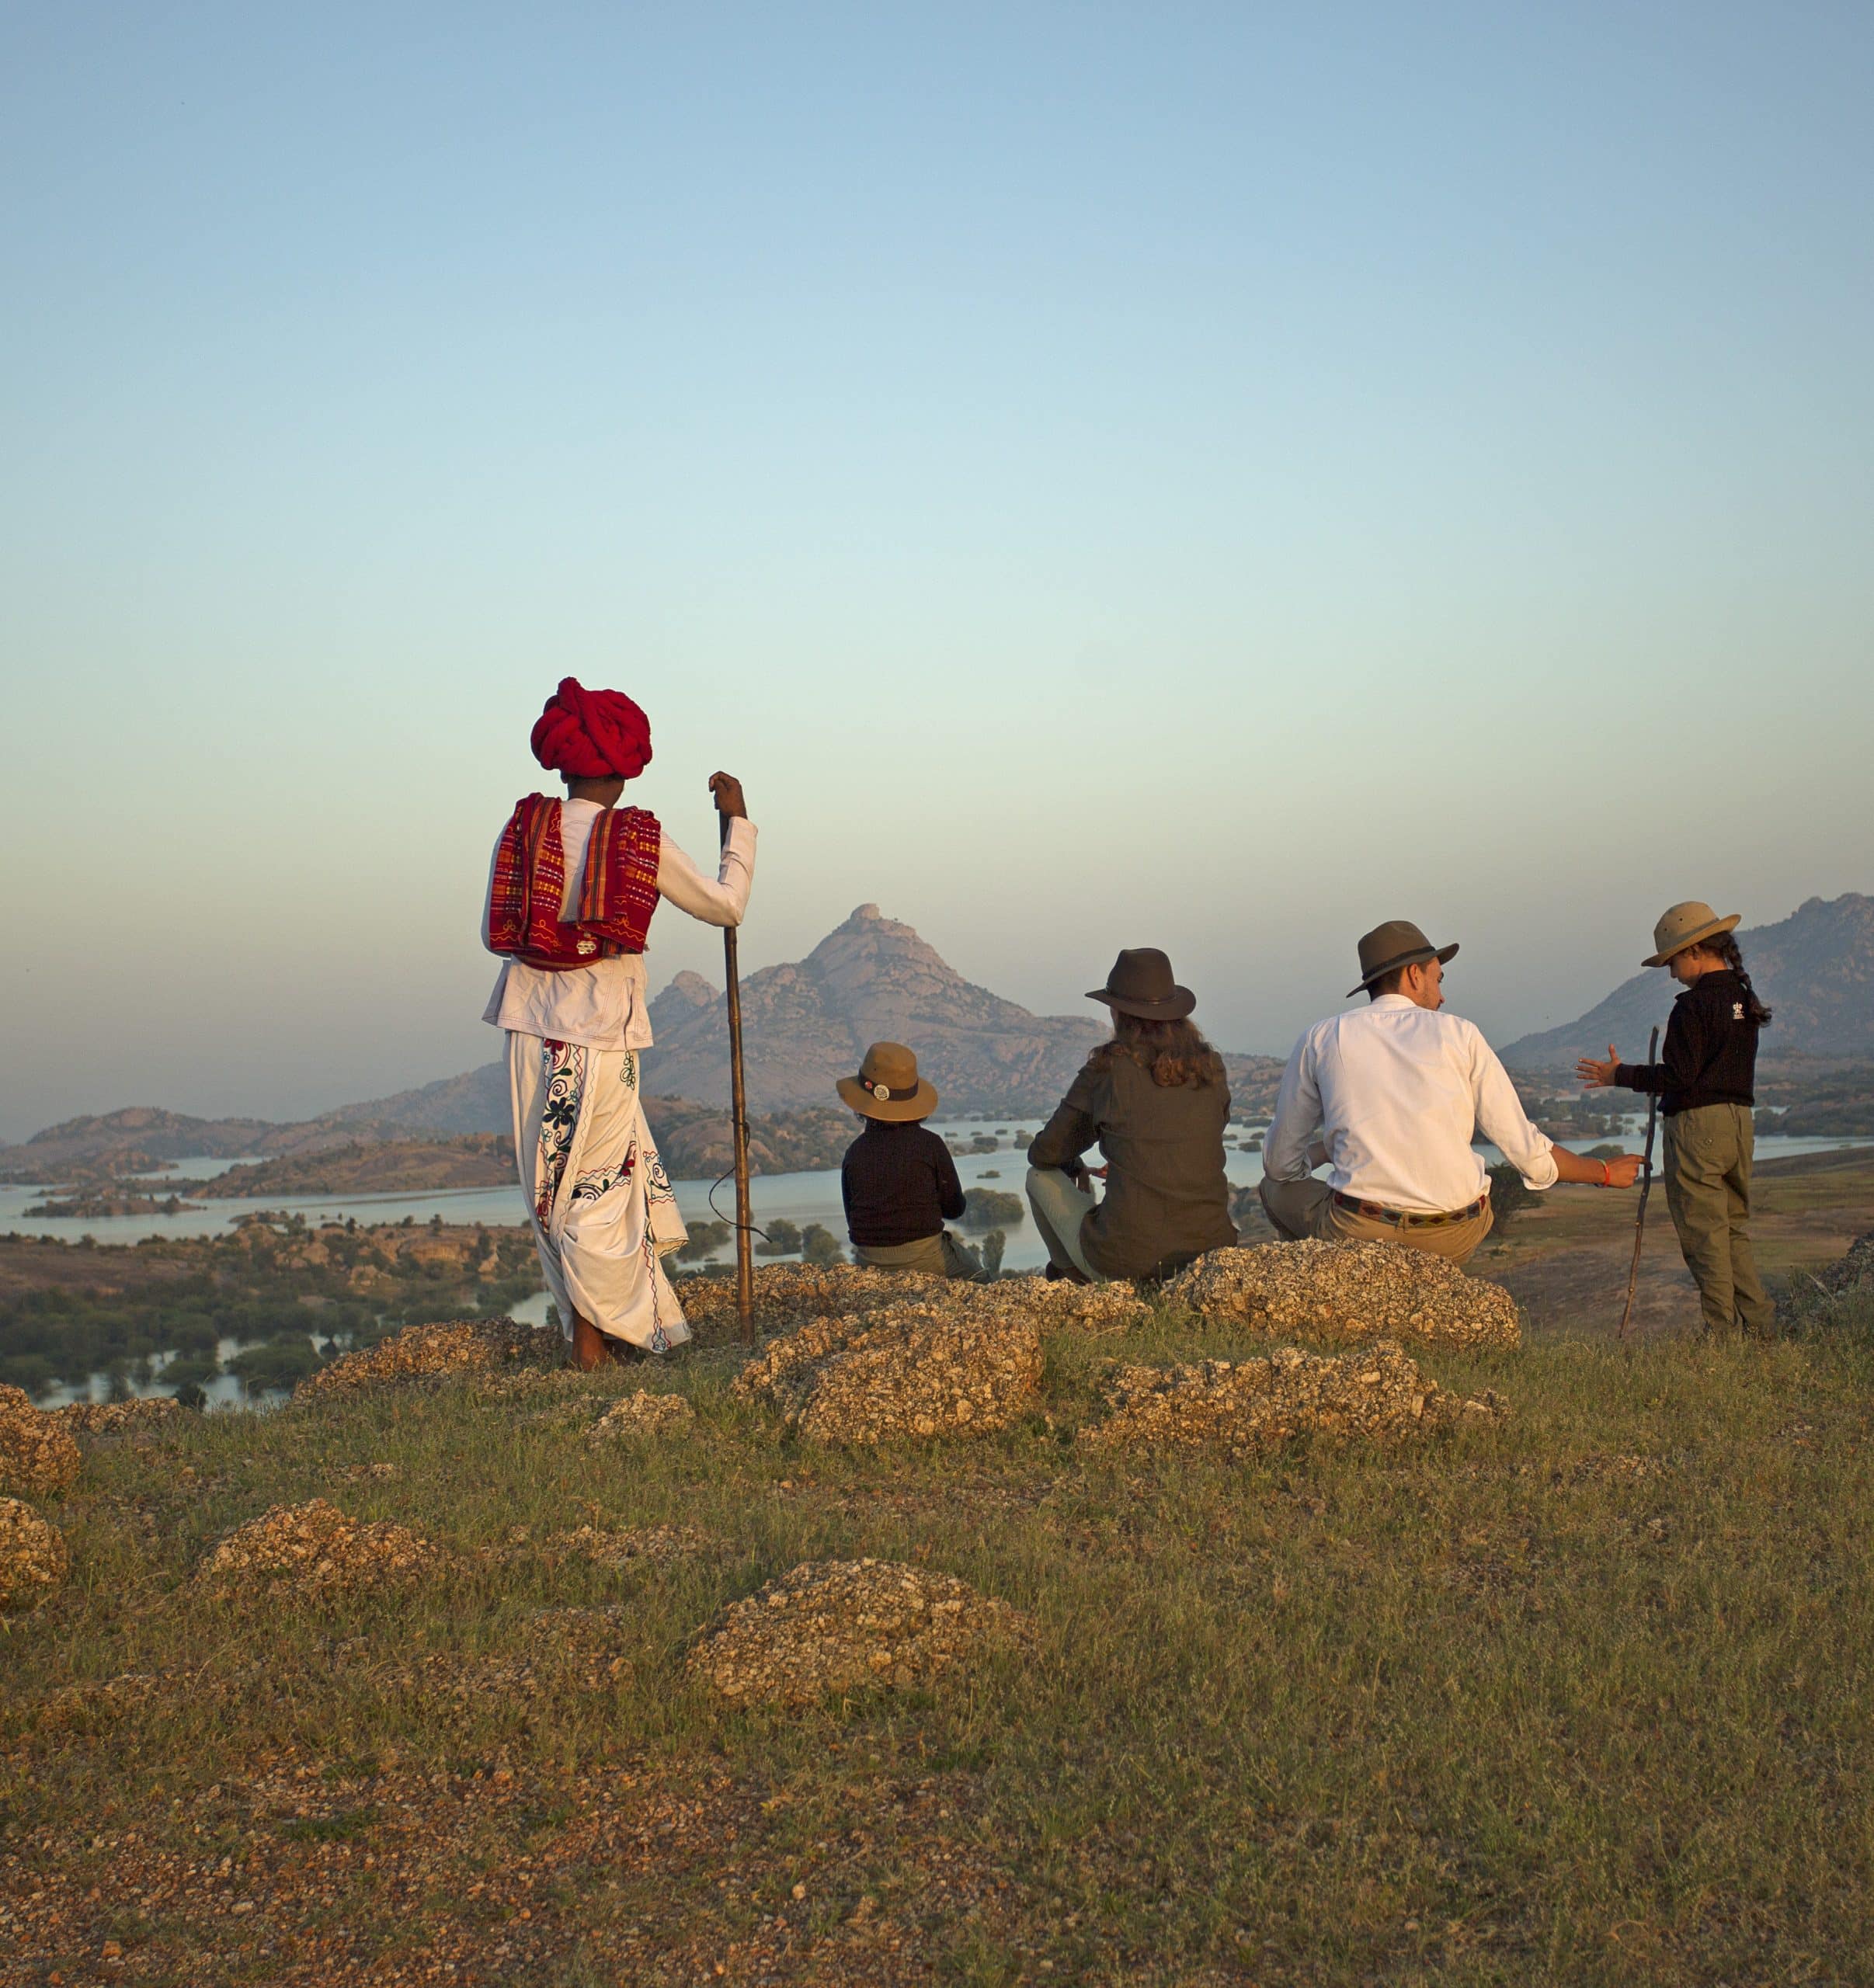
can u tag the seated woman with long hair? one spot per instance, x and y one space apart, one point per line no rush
1154 1099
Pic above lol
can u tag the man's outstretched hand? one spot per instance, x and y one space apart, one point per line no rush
728 791
1599 1076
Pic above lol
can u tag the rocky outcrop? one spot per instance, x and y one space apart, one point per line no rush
142 1415
1245 1406
915 1370
453 1349
38 1454
1359 1290
33 1557
843 1625
644 1414
315 1548
807 1023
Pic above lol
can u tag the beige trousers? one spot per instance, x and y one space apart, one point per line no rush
938 1256
1300 1209
1709 1151
1060 1207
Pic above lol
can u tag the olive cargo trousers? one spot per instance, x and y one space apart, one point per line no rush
1708 1190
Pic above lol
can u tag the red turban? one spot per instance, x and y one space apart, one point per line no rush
587 734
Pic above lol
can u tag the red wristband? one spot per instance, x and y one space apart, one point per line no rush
1606 1175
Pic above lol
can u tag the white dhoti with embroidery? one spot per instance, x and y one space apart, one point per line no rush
603 1213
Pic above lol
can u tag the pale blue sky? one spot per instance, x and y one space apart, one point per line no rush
1206 476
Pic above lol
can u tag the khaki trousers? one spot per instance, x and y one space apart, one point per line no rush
1302 1209
941 1255
1060 1207
1708 1189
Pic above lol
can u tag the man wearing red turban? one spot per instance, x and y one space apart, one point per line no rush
571 895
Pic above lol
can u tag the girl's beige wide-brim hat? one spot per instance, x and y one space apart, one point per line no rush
1685 925
888 1087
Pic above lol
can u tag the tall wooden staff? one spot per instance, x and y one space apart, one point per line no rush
1645 1188
745 1236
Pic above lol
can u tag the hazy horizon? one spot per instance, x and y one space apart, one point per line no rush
1207 481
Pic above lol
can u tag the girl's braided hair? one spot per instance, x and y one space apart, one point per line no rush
1725 947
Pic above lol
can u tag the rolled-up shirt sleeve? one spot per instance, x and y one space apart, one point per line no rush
1292 1147
1503 1121
718 900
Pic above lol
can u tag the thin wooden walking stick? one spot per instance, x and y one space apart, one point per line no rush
1645 1188
745 1233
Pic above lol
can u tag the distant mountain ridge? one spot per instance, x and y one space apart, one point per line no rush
806 1023
1815 968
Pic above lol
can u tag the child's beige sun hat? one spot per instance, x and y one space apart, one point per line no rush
1684 926
888 1087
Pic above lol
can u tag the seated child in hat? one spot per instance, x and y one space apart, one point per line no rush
897 1179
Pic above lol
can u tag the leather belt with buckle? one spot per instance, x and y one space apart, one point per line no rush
1402 1218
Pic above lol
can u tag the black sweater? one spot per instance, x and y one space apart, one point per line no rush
899 1184
1710 1052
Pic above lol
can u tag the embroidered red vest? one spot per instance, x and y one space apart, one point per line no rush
618 894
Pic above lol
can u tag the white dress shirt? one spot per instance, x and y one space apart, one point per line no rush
603 1005
1390 1096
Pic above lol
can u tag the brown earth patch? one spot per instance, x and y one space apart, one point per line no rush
315 1549
451 1350
38 1454
33 1558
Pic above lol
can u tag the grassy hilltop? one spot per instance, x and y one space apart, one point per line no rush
1579 1697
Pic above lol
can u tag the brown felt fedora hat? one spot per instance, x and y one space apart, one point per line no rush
1395 943
1684 926
1141 984
888 1087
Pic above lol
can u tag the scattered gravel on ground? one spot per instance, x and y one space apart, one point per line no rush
1349 1291
914 1370
1854 1271
316 1548
631 1546
839 1625
138 1417
455 1347
32 1557
38 1454
644 1414
1251 1405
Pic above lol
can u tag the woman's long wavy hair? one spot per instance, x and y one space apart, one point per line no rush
1725 947
1170 1053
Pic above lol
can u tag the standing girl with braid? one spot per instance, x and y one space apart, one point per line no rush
1706 1075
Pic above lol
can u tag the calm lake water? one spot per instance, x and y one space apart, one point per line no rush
800 1198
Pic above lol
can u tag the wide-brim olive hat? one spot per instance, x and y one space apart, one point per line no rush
1395 943
1142 983
888 1087
1684 926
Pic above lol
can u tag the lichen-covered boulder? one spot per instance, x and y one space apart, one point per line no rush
38 1454
644 1414
452 1348
315 1549
32 1557
915 1370
140 1416
1240 1406
1349 1291
841 1626
789 1295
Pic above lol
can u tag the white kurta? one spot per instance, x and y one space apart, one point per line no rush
600 1202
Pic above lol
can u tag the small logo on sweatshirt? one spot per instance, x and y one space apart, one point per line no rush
1737 1011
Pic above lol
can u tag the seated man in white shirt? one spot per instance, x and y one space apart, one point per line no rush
1389 1098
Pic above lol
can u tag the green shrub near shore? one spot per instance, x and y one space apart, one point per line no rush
1584 1698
